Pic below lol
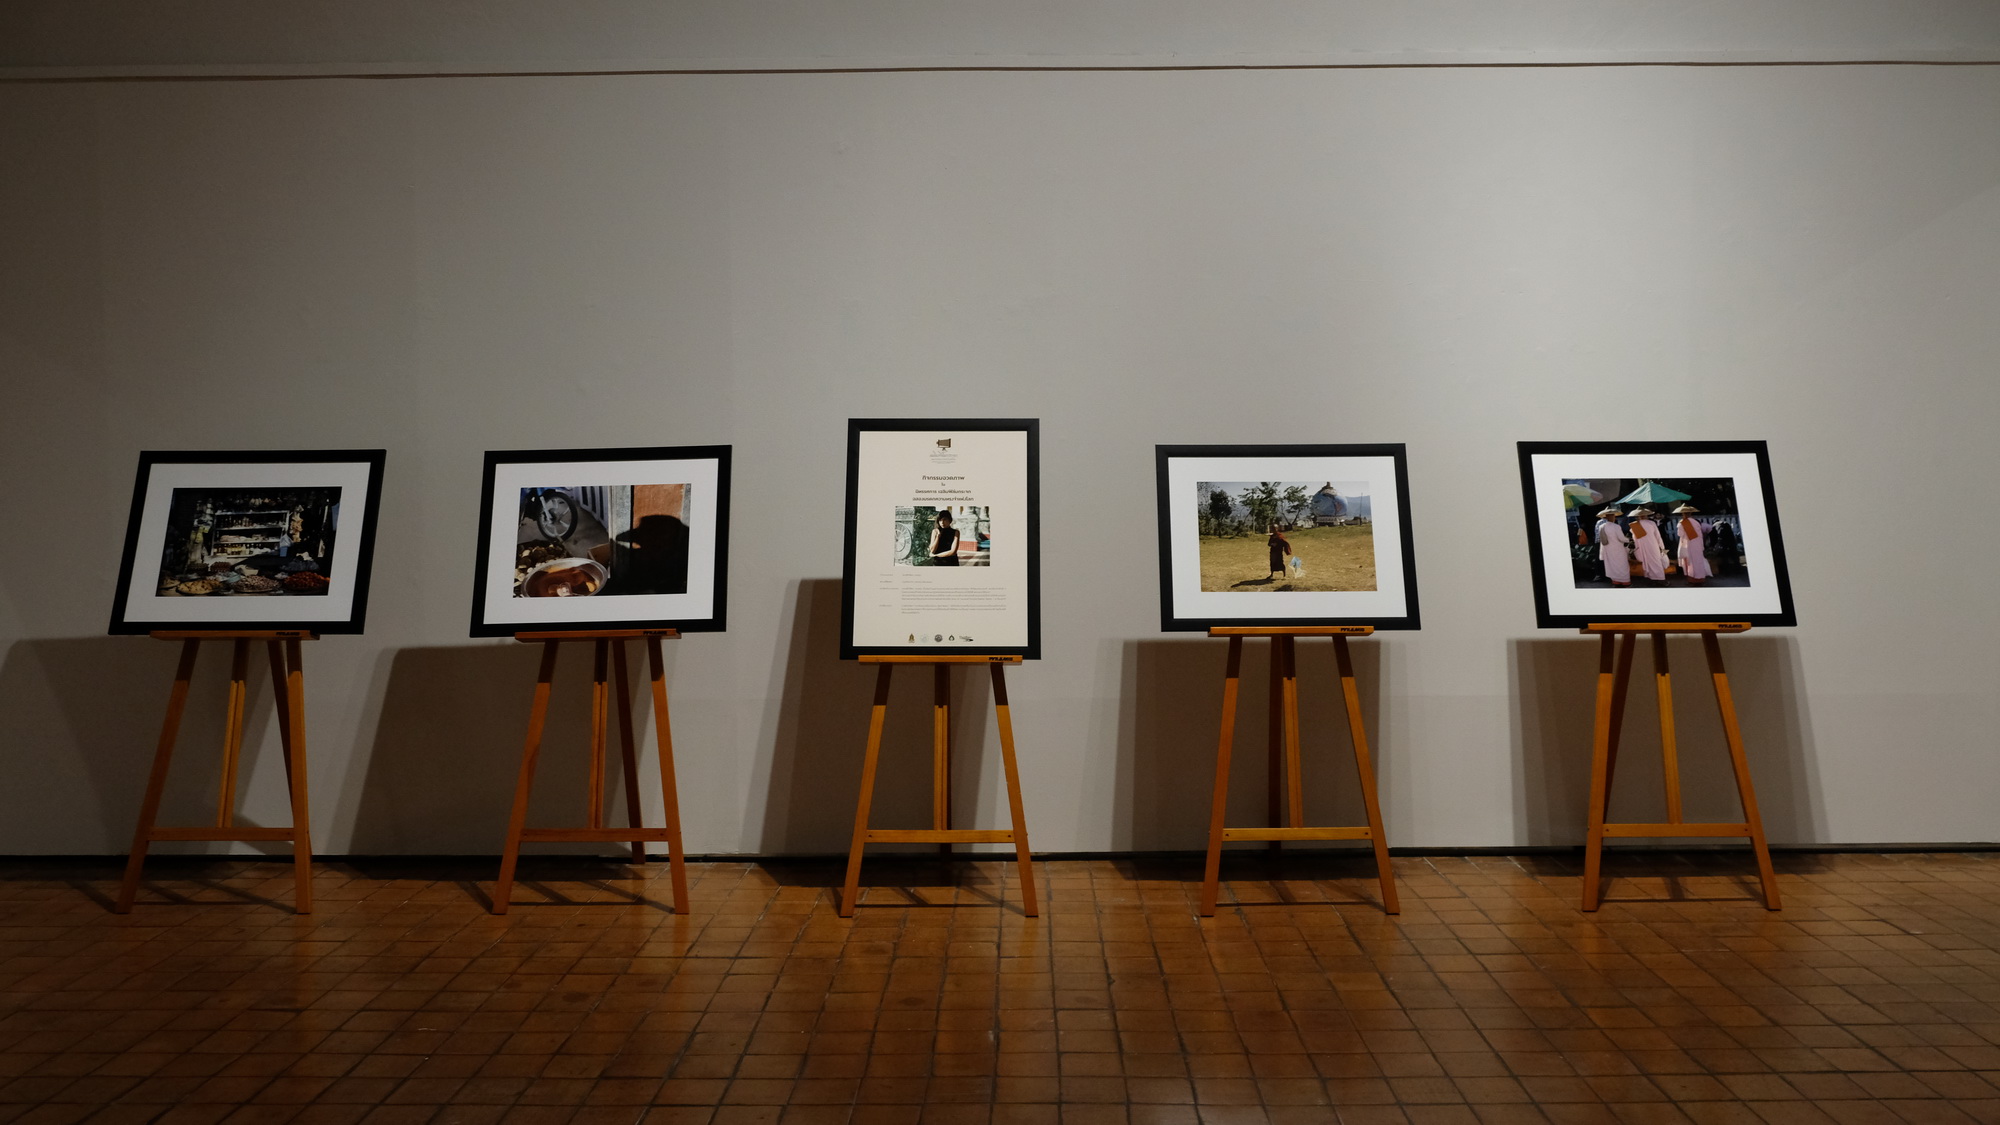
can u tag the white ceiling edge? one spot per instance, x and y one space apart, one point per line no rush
191 38
1412 59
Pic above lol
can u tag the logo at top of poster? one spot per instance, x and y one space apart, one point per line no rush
943 455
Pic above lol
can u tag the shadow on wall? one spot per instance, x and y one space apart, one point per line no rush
1171 727
1555 685
87 711
821 734
440 775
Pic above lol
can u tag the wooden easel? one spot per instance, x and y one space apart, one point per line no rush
609 649
288 691
1284 755
1614 674
941 832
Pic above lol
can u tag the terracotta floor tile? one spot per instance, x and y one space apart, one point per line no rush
1874 996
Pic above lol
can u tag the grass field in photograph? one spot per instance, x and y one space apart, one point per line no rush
1336 558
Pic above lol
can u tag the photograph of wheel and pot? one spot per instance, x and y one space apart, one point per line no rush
587 539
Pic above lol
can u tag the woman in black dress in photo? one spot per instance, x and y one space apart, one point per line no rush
944 542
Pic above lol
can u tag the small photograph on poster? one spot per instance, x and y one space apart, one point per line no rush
249 540
1654 531
1285 536
957 535
583 539
1256 536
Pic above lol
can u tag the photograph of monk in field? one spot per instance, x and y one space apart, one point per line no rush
1268 536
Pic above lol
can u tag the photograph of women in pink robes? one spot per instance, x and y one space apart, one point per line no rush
1614 548
1647 547
1691 554
1652 532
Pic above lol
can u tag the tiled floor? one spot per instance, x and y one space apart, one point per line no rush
1873 997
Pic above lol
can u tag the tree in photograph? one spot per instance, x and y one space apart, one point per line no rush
1297 502
1262 504
1220 508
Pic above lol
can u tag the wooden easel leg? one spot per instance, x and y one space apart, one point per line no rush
622 688
1219 804
538 714
941 751
281 704
1621 688
1357 732
232 731
292 723
1733 733
1295 799
1274 765
600 721
156 782
1670 763
851 890
1015 809
1600 774
669 787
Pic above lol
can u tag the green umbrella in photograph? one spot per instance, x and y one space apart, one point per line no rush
1652 493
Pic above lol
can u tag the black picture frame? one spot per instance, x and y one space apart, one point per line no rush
182 509
1027 601
1185 606
1571 586
699 547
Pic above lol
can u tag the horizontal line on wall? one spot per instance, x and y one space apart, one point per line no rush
69 75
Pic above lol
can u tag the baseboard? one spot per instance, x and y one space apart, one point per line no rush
1050 857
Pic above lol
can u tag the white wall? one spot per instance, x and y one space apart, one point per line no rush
1453 258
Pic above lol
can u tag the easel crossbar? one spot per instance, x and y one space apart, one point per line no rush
1673 830
1359 832
595 835
240 835
940 836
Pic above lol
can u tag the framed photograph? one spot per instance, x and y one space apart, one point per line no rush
583 539
1285 535
249 540
943 541
1654 531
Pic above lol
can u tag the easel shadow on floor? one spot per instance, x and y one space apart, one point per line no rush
966 874
1672 870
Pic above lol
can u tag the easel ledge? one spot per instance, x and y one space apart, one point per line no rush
598 635
1290 630
233 635
1667 627
899 659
